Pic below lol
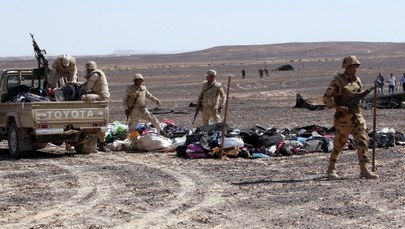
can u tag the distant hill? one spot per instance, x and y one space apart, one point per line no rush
251 53
286 51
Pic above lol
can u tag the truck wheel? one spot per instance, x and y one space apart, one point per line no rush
14 142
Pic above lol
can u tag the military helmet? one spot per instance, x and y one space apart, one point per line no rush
138 77
91 65
211 72
66 59
350 60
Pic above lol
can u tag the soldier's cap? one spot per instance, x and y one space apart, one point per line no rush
211 72
138 76
350 60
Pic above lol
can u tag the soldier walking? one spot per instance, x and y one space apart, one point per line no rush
347 121
134 103
212 98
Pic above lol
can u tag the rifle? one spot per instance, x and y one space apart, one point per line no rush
43 68
355 101
129 110
197 110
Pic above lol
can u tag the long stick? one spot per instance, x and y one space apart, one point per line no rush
374 126
225 114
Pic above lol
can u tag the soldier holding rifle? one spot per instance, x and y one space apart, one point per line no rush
342 91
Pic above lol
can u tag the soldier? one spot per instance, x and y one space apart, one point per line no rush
64 68
347 121
134 103
95 89
96 86
212 98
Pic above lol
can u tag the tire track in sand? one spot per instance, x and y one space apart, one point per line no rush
193 185
81 203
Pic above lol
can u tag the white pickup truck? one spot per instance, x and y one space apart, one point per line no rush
29 124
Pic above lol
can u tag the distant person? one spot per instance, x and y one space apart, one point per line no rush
95 89
347 121
64 67
379 81
213 98
403 81
261 73
266 71
243 72
392 81
135 101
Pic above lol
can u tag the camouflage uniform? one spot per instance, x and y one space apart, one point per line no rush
96 87
59 71
139 110
212 97
340 91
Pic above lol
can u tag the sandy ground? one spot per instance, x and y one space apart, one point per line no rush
53 188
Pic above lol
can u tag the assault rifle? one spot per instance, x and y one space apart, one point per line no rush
43 68
355 101
198 108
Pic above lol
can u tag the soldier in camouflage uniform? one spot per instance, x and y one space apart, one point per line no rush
64 68
212 98
134 103
96 86
95 89
347 120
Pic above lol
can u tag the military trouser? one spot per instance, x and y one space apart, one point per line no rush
142 113
360 135
210 112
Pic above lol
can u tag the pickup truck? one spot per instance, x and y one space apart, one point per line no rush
29 125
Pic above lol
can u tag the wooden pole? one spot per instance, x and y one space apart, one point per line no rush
374 126
224 122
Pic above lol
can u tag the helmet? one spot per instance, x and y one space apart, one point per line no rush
66 60
138 77
91 65
350 60
211 72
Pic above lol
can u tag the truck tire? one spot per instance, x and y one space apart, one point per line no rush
19 141
14 141
88 146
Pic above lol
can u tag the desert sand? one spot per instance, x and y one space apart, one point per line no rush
53 188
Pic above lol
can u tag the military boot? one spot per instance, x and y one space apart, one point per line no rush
364 172
331 172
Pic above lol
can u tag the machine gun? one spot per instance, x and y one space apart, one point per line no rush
43 68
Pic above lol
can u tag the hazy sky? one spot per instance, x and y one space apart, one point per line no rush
90 27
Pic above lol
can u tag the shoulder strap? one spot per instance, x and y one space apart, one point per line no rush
208 88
